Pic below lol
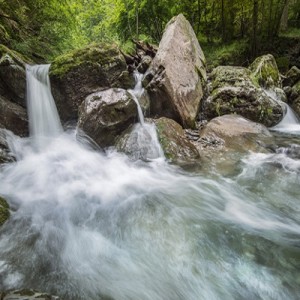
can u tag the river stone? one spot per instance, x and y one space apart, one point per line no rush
4 211
144 64
27 294
233 91
176 147
178 74
265 71
236 133
12 76
104 115
292 76
77 74
13 117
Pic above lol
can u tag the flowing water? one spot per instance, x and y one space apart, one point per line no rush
92 225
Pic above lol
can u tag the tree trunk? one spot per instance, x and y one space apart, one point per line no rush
284 16
254 29
223 21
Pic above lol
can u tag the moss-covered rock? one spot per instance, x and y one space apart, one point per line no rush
4 211
104 115
5 154
176 147
265 71
292 76
232 91
81 72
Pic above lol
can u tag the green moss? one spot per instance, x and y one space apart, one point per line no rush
265 71
102 54
19 58
4 211
283 63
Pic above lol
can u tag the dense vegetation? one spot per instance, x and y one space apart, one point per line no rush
42 28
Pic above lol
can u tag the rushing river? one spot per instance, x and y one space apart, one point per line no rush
92 225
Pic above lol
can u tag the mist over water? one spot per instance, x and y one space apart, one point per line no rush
92 225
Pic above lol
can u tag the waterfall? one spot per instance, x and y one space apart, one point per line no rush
143 141
290 122
44 121
136 94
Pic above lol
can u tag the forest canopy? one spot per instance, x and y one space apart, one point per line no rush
41 28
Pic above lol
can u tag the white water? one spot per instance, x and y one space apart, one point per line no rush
290 122
143 141
88 225
43 116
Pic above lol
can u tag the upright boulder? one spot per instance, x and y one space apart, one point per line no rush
104 115
177 74
81 72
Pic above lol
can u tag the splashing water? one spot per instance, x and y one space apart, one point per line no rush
290 122
89 225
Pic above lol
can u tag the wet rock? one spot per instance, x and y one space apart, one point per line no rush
236 133
178 74
13 75
140 142
27 294
81 72
104 115
265 71
144 64
176 146
296 106
292 76
4 211
233 91
13 117
5 154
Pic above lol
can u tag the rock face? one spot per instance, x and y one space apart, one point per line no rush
5 154
4 211
176 147
13 117
104 115
265 71
76 75
177 74
235 132
233 91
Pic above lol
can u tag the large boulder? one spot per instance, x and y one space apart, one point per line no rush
176 146
233 91
177 76
4 211
265 71
79 73
104 115
235 132
13 75
13 117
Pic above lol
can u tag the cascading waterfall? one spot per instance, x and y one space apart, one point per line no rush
44 121
290 122
143 141
87 225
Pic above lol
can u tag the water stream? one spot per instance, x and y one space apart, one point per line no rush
92 225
